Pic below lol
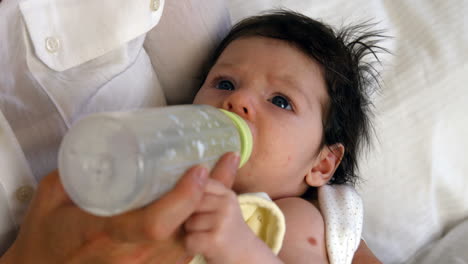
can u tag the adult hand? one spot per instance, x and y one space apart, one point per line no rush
56 231
217 229
217 226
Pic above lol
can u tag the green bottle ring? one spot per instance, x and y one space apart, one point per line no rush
245 136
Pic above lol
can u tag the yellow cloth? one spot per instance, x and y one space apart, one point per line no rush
265 219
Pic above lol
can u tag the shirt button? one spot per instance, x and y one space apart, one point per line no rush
24 193
155 4
52 44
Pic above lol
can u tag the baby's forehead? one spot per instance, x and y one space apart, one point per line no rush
275 52
288 60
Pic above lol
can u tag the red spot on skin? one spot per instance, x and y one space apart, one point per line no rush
312 241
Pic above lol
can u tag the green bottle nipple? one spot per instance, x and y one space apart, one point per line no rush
245 136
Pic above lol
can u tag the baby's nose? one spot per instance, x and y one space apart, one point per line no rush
242 108
240 103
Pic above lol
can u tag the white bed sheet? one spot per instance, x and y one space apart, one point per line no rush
415 178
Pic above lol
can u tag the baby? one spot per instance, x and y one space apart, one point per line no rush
303 90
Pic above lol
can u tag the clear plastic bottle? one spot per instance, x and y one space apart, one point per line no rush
110 163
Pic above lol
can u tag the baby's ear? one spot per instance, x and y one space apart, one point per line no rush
325 165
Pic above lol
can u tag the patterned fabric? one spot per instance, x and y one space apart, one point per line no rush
342 211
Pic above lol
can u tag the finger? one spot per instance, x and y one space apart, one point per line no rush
210 202
50 193
200 222
197 243
169 251
226 168
163 217
214 187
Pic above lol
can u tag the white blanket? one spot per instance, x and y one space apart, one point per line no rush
451 248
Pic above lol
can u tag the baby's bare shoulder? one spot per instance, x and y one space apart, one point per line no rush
305 232
300 209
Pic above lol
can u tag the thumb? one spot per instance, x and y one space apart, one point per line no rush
226 168
50 193
160 219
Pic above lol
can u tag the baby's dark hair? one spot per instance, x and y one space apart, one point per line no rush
349 79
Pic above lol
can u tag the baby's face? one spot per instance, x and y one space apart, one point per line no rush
280 92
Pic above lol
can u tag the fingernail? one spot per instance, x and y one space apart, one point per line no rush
234 158
201 175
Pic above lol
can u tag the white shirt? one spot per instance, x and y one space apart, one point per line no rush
63 59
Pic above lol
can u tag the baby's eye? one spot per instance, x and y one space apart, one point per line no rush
281 102
225 85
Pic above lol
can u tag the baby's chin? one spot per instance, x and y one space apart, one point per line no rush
240 186
246 183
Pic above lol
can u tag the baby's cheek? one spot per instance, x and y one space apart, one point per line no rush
287 160
201 97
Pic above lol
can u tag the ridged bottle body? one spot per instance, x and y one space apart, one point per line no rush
110 163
